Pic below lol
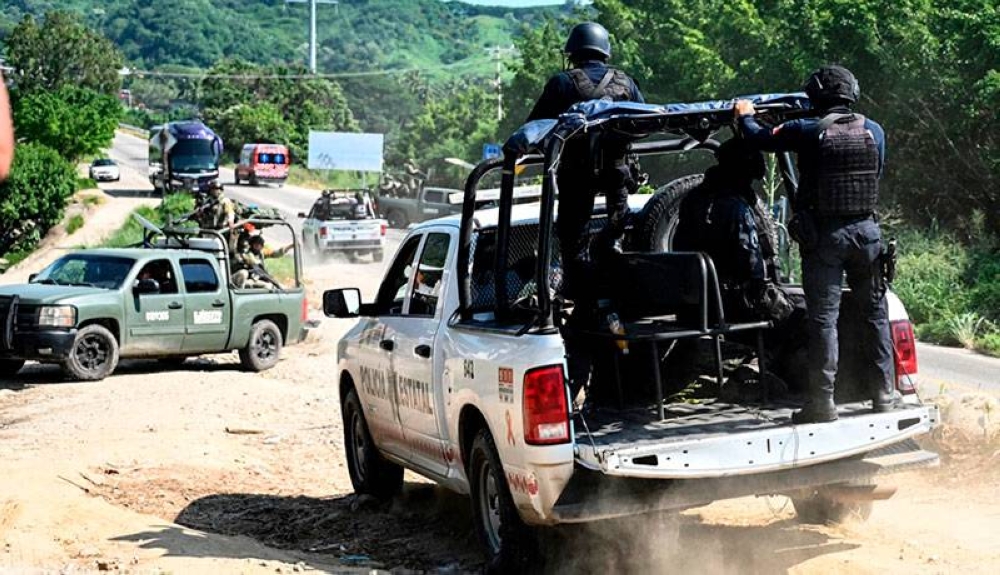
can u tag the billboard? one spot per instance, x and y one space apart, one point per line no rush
345 151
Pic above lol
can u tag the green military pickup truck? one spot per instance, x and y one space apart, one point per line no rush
169 301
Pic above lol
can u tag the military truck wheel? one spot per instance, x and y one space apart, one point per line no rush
819 509
264 348
396 219
11 366
94 354
371 474
378 256
657 222
511 545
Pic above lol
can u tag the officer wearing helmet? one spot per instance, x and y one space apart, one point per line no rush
840 157
219 212
251 262
582 175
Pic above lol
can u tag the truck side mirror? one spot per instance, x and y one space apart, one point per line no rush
302 214
32 277
147 286
342 303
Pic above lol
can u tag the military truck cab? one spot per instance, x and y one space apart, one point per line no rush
169 301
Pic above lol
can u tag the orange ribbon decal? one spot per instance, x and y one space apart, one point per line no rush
510 428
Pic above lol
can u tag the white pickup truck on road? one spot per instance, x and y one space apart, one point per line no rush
443 377
344 221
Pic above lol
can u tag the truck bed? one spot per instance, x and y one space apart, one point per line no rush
713 439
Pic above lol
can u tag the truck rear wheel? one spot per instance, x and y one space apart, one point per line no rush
94 354
819 509
11 366
396 219
511 545
371 474
264 347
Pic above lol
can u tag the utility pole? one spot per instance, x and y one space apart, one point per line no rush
312 27
498 53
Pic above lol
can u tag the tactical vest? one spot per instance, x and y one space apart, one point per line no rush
845 182
614 85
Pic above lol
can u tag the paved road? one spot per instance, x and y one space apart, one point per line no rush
956 370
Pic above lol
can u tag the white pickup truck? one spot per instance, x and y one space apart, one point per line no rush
344 221
438 377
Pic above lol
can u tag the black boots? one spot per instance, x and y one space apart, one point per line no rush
817 410
883 401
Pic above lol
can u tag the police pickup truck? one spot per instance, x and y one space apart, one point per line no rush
457 370
170 300
344 221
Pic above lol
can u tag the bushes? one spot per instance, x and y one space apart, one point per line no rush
132 233
33 199
73 121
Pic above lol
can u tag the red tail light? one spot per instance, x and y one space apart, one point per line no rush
305 309
905 355
384 228
546 413
322 232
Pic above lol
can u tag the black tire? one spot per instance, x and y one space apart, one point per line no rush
264 347
396 219
253 180
236 178
11 366
819 509
511 546
94 354
371 474
657 221
378 256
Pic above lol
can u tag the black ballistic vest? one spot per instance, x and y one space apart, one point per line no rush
614 85
845 182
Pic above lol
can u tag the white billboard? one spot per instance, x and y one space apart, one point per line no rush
345 151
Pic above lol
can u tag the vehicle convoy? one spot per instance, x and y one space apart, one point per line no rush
457 371
263 163
183 156
169 300
105 170
344 221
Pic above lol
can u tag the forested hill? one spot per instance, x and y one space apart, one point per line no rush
356 35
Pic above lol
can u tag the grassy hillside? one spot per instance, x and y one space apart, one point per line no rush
356 35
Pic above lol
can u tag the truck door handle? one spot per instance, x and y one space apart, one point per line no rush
218 303
423 350
387 344
174 305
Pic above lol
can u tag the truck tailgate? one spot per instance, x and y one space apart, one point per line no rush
355 230
718 440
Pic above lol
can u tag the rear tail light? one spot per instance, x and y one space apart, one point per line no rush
322 232
305 309
546 411
905 355
385 227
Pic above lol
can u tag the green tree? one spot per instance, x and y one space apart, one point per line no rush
244 123
62 51
32 199
72 121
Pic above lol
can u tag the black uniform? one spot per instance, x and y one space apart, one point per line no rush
580 180
840 159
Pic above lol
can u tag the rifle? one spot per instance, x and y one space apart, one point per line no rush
887 266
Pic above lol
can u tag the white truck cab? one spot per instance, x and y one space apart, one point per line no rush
436 378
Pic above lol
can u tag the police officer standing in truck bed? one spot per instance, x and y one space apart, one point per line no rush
841 155
581 177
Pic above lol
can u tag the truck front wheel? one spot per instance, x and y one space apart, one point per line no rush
396 219
94 354
371 474
818 508
511 545
264 348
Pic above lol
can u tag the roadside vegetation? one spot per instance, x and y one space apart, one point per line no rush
132 233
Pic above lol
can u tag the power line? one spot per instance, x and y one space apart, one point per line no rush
394 71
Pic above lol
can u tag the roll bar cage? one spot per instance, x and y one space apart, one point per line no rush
542 143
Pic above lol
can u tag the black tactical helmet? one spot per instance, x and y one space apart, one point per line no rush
588 37
831 84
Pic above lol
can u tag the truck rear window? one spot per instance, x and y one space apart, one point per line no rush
199 276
